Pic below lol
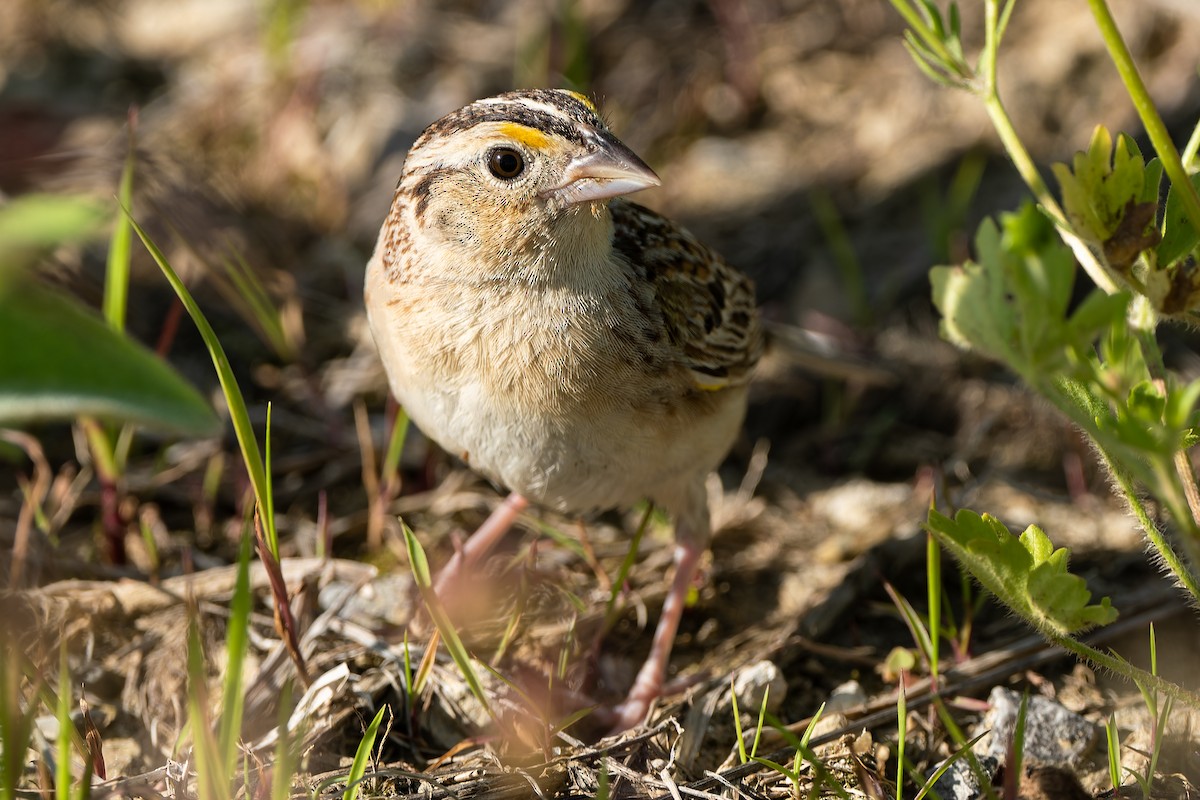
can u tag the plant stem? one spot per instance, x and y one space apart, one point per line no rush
1188 156
1191 492
1123 668
1024 162
1155 128
107 472
1079 406
1020 156
1160 543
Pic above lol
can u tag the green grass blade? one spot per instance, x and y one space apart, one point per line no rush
359 768
762 715
1113 738
16 726
268 498
233 393
811 727
257 306
737 723
933 586
626 566
236 644
120 247
912 620
454 645
901 737
960 738
212 781
961 752
284 769
62 772
391 459
1018 744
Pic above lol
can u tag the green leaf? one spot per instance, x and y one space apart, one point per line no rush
972 302
1151 182
1179 236
34 223
1181 400
64 362
1012 304
1110 197
1026 573
1098 314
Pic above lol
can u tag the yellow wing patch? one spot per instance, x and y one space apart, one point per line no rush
530 137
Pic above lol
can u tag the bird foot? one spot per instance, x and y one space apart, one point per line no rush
635 708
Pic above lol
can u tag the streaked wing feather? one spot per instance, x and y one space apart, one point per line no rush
708 307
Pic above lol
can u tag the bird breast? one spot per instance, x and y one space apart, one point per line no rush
558 394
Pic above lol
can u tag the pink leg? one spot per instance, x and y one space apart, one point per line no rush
649 682
480 543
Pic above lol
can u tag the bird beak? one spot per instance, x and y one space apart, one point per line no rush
609 169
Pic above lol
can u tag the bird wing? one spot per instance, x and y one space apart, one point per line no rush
708 307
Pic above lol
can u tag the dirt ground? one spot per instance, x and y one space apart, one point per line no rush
797 138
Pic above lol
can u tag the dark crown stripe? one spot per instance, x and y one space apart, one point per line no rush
566 125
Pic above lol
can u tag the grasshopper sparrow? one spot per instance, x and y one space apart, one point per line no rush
574 347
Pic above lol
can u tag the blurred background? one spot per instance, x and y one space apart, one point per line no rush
285 122
795 136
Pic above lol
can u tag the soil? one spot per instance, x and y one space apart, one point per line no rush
796 137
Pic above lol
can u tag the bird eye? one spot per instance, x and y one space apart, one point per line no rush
506 163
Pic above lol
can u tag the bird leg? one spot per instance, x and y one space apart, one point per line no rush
649 682
480 543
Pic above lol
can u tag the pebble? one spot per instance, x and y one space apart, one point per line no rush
751 683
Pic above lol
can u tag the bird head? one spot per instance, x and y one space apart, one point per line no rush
509 172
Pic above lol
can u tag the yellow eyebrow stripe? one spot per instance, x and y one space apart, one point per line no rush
530 137
583 99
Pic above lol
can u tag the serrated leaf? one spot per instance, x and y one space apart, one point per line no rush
1026 573
1106 196
1012 304
972 300
1127 178
1150 424
61 360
